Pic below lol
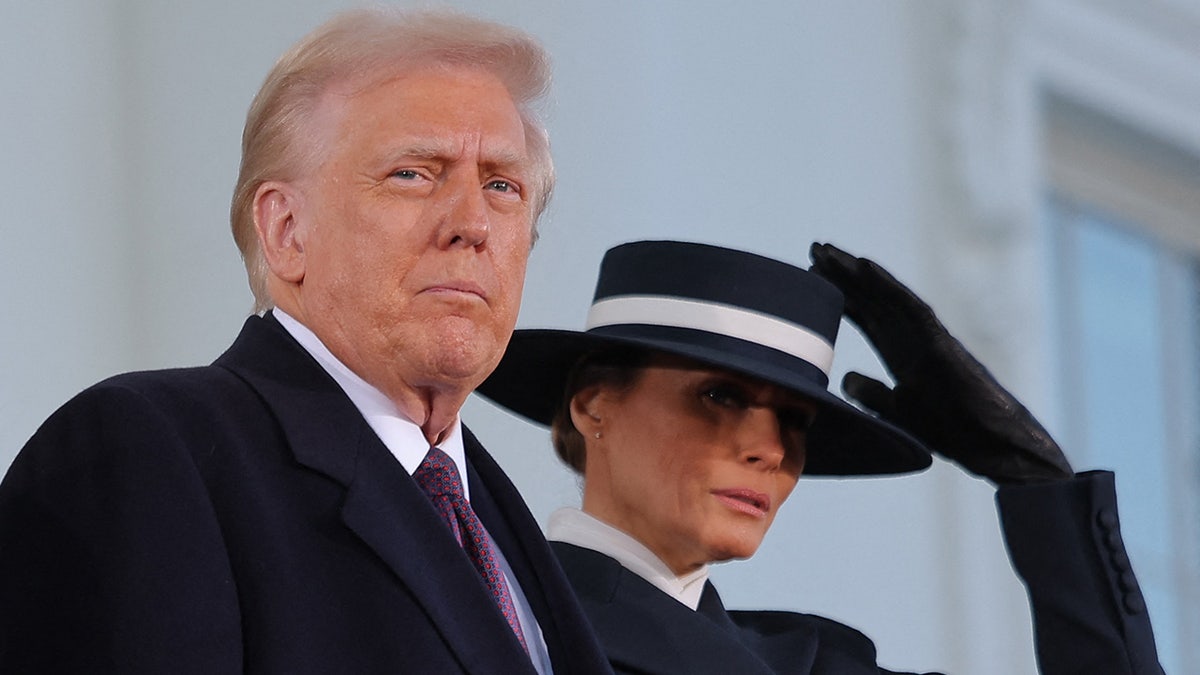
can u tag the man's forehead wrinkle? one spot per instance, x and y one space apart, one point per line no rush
489 154
425 149
493 149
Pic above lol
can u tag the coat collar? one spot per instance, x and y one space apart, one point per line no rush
644 630
382 504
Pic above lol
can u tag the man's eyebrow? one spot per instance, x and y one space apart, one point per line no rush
421 150
506 157
499 157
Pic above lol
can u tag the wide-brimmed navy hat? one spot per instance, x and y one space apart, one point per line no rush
726 308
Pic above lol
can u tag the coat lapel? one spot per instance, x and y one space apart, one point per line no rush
382 506
644 630
391 515
804 643
572 644
789 647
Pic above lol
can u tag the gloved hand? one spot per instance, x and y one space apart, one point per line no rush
943 396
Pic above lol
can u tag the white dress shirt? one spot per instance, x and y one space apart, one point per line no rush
572 526
408 445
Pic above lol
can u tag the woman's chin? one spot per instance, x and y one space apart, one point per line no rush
735 550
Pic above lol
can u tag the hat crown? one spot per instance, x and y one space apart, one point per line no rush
722 276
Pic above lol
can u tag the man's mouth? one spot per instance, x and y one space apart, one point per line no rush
457 287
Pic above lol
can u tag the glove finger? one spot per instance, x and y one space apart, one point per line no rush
875 300
899 326
862 305
990 436
870 394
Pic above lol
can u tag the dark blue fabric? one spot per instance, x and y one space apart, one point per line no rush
243 517
749 357
721 275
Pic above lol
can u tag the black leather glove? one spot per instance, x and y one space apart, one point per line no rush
943 395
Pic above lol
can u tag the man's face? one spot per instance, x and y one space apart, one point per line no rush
415 226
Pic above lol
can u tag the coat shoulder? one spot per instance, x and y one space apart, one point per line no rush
767 622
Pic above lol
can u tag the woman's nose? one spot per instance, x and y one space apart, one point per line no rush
761 441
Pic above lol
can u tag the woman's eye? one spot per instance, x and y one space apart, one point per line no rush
725 396
799 420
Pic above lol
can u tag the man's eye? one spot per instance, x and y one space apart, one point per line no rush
406 174
501 186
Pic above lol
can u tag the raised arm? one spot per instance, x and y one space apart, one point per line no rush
1062 530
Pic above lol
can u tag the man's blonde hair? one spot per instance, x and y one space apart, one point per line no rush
360 44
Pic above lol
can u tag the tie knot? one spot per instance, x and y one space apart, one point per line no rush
438 476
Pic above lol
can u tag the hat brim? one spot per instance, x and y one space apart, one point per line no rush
843 441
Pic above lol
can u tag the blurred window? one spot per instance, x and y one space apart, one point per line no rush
1124 216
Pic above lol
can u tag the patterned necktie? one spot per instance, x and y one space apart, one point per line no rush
438 477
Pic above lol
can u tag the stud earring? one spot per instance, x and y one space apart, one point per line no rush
597 434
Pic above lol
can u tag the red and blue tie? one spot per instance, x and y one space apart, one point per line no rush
438 477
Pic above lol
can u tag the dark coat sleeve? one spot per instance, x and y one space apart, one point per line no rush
103 517
1065 542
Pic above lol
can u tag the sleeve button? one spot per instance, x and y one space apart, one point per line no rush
1134 604
1107 518
1128 581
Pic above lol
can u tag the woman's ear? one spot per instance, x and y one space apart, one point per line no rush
587 410
279 232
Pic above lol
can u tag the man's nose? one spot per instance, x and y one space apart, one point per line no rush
760 440
465 218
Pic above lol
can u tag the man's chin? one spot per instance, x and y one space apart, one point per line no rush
462 364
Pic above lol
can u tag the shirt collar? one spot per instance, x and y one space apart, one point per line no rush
401 435
573 526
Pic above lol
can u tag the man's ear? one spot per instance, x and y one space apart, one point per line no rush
279 232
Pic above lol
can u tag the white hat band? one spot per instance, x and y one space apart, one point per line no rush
769 331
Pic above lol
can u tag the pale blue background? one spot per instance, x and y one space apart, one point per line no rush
902 130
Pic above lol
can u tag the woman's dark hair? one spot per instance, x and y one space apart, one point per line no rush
617 367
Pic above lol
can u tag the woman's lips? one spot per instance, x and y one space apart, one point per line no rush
750 502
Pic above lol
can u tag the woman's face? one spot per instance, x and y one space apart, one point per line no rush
693 461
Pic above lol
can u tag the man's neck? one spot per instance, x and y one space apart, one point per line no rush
435 412
434 407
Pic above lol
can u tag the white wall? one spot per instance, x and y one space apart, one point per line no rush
763 128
